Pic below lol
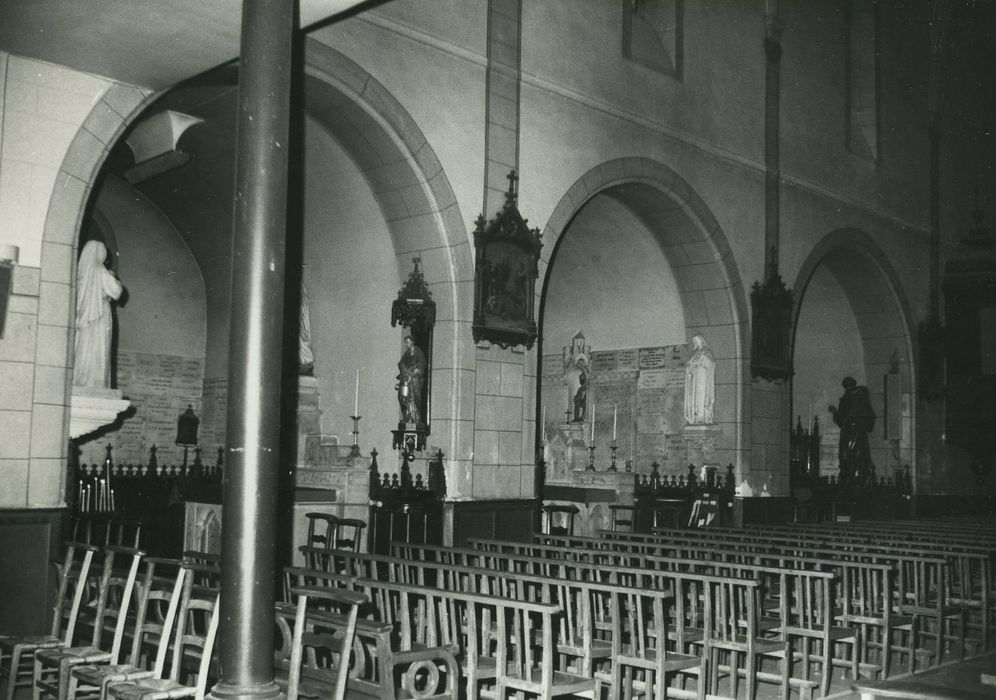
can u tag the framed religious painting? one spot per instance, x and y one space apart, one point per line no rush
505 276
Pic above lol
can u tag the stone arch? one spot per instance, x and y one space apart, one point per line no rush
419 208
874 291
709 283
74 183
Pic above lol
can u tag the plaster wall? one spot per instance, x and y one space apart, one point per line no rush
611 281
351 296
431 59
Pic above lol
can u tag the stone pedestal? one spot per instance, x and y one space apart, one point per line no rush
92 408
700 444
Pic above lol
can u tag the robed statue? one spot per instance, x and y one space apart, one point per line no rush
411 382
856 418
700 383
96 288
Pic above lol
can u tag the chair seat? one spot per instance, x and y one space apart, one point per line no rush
96 675
650 659
38 642
761 646
151 689
72 655
563 683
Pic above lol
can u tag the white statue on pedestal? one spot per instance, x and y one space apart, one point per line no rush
700 384
95 289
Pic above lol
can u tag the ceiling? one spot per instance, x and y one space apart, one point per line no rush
153 44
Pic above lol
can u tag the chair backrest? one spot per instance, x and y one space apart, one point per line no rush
161 588
124 532
325 623
75 578
321 529
622 518
196 629
732 607
349 534
559 519
119 594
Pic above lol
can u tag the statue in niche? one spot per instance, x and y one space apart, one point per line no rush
581 398
700 383
576 360
306 356
411 382
856 418
96 288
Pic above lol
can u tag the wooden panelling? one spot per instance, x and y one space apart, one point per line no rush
29 540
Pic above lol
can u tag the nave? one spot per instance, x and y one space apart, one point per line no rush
758 613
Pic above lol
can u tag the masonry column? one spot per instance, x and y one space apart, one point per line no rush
249 529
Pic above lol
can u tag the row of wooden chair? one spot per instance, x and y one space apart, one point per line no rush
917 591
112 599
716 624
963 579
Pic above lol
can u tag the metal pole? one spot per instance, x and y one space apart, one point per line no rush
249 521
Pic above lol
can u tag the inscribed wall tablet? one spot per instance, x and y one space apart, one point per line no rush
653 358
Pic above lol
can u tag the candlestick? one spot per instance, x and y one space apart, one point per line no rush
355 450
591 458
612 465
592 438
356 395
615 418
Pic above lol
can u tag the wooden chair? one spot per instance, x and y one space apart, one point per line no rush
349 534
642 662
622 518
112 606
161 588
197 627
922 593
559 519
732 630
321 530
864 604
316 658
74 579
525 643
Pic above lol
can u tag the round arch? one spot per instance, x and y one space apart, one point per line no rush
872 289
419 208
709 284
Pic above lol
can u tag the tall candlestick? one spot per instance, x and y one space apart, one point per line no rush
356 395
615 418
592 422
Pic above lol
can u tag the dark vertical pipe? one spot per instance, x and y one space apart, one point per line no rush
249 525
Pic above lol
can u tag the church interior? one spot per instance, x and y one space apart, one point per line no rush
606 349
